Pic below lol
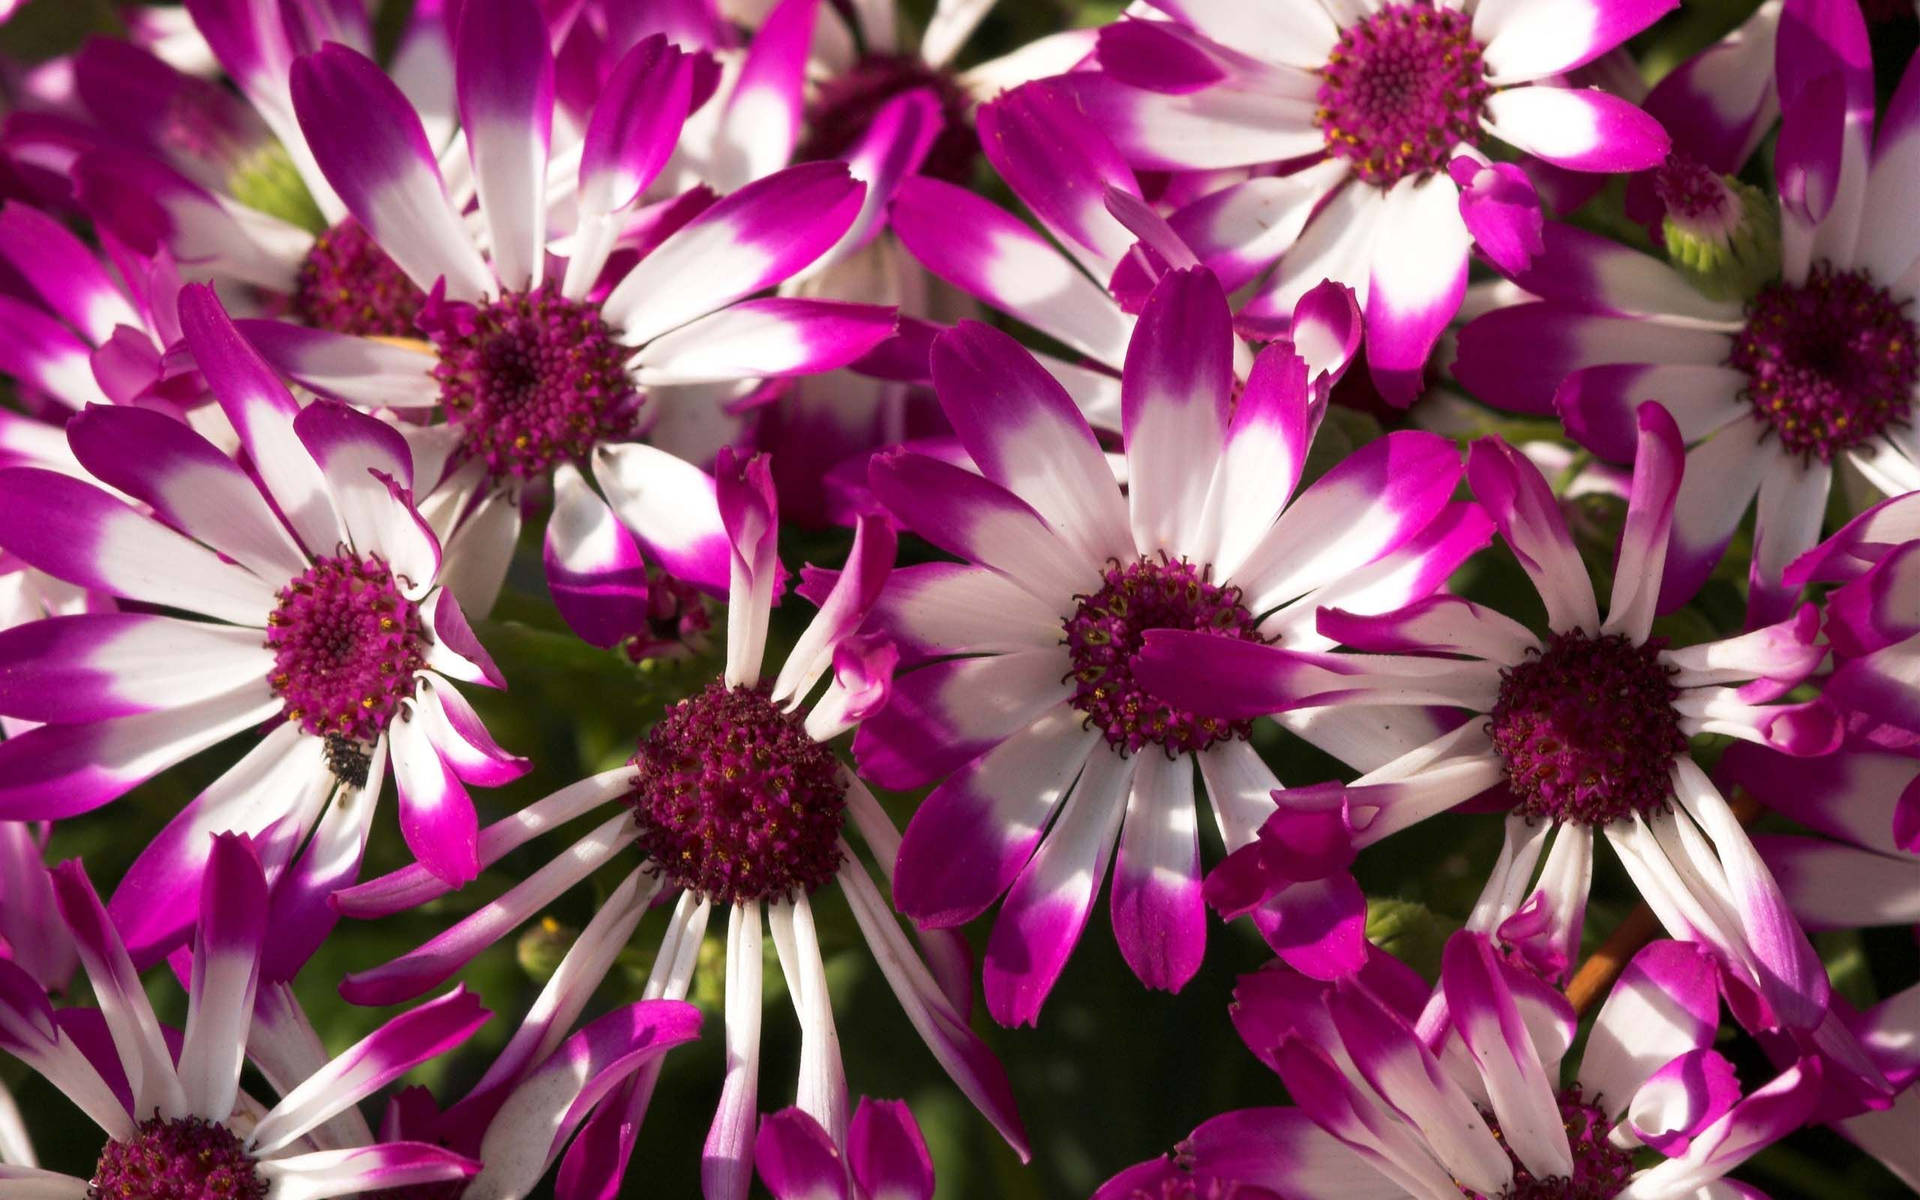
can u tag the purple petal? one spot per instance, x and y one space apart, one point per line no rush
1501 210
503 76
370 1064
368 140
751 239
1048 905
594 569
1022 430
888 1153
1582 129
775 336
797 1160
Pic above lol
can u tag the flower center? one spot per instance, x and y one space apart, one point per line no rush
1105 632
1600 1169
184 1159
1402 88
345 646
735 801
1692 191
532 379
1829 363
1586 728
348 284
843 112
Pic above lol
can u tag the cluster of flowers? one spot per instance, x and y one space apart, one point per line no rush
302 334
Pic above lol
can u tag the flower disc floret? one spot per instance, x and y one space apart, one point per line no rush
735 801
1402 88
532 379
346 644
180 1159
1600 1169
1106 630
1586 728
348 284
1830 363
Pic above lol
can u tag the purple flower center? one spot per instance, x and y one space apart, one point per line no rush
1693 192
843 112
1587 730
348 284
532 379
1600 1169
184 1159
1829 363
1105 632
1401 90
735 801
345 647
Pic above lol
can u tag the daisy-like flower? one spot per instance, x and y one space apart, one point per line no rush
1364 107
544 368
313 608
1482 1109
886 1158
227 183
1586 730
176 1120
735 802
1024 705
1815 371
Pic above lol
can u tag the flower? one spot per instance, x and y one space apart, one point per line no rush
1023 704
538 377
735 802
227 184
886 1158
1775 389
1585 730
1477 1106
1363 109
176 1122
316 606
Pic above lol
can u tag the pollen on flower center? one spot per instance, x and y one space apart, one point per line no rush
843 111
1105 632
1403 88
1600 1169
1587 730
532 379
735 801
347 284
180 1159
1829 363
346 644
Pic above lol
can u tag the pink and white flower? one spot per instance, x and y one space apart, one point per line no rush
1352 117
171 1105
1023 705
1479 1107
1585 730
545 365
1817 372
313 606
735 802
